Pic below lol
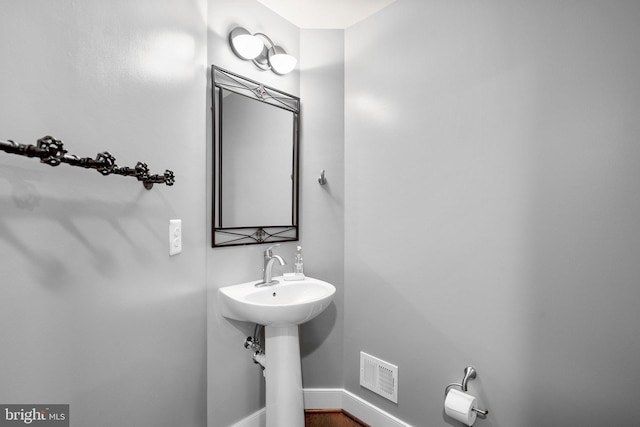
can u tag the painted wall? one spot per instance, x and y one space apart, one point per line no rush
322 207
488 184
235 384
93 311
491 163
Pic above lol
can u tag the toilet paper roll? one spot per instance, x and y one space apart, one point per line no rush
459 406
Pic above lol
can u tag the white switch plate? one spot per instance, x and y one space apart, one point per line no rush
175 236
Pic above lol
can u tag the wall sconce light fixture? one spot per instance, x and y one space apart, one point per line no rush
261 50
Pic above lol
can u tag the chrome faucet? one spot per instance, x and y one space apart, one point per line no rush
269 259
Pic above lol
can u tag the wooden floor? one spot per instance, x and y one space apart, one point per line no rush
331 418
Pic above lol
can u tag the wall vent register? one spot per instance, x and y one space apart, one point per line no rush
379 376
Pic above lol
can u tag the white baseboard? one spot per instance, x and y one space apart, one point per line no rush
334 398
319 398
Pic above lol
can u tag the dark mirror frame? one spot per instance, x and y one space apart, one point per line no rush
251 234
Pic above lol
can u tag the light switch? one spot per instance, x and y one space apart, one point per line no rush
175 236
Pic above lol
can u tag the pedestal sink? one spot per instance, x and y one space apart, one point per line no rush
280 308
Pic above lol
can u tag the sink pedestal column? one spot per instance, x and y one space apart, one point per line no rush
283 374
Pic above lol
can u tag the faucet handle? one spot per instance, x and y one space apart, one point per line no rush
269 251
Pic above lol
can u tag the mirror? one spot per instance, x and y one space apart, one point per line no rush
255 162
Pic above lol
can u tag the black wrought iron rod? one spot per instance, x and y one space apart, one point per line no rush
51 151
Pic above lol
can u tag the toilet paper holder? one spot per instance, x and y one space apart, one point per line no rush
469 374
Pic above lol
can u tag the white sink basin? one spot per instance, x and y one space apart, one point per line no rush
280 308
286 303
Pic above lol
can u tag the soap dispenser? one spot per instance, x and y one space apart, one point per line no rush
298 268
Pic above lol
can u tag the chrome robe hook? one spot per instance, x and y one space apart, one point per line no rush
322 180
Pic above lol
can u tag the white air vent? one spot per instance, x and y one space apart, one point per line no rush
379 376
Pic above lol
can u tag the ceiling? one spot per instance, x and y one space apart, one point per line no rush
325 14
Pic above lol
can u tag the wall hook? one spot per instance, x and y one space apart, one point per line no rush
322 180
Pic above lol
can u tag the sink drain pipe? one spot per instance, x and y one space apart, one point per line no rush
260 359
253 343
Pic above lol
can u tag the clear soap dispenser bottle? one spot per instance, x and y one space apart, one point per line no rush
298 268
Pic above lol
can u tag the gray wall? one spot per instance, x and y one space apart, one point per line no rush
97 314
485 185
492 207
93 311
235 384
322 215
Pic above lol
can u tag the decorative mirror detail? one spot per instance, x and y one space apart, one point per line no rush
255 162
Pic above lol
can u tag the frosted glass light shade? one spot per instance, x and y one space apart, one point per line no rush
281 62
244 44
260 49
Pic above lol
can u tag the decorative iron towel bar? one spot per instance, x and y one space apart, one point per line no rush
50 151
